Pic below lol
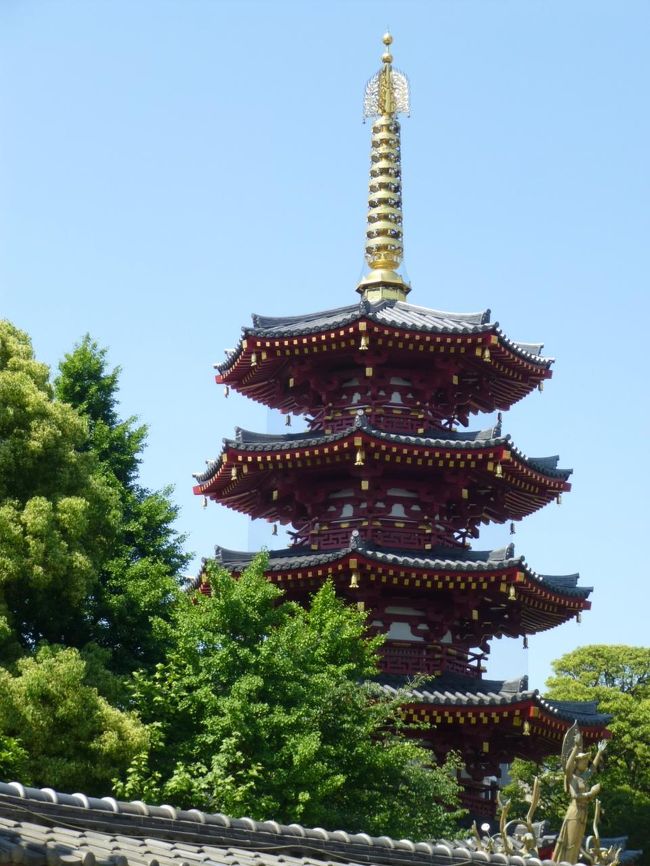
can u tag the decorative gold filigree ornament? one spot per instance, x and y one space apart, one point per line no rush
386 96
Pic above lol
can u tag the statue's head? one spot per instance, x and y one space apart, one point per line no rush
582 761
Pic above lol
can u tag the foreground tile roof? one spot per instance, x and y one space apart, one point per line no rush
41 827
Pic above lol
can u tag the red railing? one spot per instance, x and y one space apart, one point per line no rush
398 658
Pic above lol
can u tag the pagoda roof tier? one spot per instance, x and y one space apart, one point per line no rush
455 690
528 724
483 473
508 596
279 361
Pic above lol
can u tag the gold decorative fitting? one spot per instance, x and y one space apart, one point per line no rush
486 354
354 580
360 458
364 344
526 728
512 593
205 501
287 421
254 359
559 499
498 471
386 96
233 473
275 529
226 391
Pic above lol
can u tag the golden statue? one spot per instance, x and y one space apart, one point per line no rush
577 771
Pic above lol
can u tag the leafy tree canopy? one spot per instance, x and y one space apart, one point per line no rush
624 668
138 578
57 513
56 730
258 710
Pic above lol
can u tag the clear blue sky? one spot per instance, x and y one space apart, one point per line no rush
169 167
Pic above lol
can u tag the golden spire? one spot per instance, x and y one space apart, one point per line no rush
387 94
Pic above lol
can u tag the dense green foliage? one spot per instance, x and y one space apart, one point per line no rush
618 678
259 711
57 513
137 581
57 730
87 570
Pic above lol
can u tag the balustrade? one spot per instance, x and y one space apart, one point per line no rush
437 659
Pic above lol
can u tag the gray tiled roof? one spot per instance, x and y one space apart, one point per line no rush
456 690
248 440
396 314
439 558
40 827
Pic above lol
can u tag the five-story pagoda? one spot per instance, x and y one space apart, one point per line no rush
384 493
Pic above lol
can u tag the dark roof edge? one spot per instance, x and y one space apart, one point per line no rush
475 561
248 440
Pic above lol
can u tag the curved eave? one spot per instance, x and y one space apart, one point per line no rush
545 719
489 575
528 483
514 368
403 317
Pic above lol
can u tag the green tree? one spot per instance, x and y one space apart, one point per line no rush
58 514
618 679
56 730
137 581
259 709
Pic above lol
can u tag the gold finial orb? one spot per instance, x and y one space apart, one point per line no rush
387 38
387 57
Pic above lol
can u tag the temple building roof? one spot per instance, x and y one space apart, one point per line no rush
505 594
469 363
391 313
452 690
501 482
247 440
436 560
462 439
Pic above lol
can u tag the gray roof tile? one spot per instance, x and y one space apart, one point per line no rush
248 440
456 690
452 559
396 314
68 841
